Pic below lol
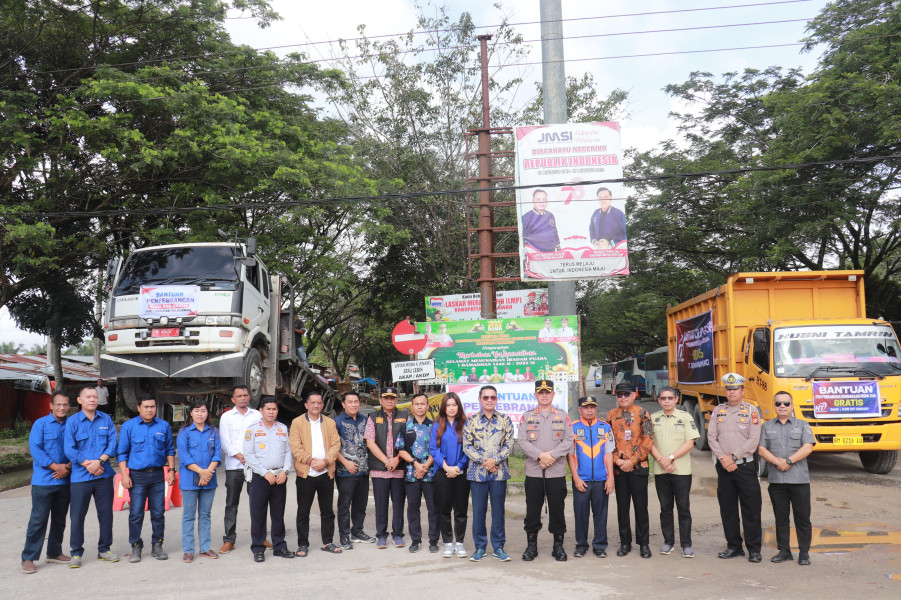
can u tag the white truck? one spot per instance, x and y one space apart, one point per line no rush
194 320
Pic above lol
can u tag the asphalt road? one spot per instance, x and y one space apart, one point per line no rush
856 553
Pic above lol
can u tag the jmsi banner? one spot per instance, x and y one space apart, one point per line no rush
569 230
694 349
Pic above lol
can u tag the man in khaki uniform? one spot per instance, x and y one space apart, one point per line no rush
675 433
733 435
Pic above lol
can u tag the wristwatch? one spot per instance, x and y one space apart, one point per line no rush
672 457
789 462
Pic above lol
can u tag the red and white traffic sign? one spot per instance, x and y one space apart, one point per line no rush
406 339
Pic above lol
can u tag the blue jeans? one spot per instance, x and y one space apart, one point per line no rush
594 500
150 486
80 499
196 505
48 503
481 492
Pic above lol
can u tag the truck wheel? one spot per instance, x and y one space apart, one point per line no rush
878 461
131 391
701 442
253 376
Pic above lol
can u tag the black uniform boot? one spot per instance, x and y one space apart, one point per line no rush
558 552
531 547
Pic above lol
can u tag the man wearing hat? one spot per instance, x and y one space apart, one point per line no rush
591 464
634 436
733 435
546 436
385 470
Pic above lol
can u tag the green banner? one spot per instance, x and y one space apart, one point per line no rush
503 350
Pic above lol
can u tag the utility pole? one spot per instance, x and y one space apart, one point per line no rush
487 288
561 294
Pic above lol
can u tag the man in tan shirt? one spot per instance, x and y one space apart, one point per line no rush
315 444
733 435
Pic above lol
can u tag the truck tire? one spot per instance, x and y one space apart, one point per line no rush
131 391
762 465
878 461
253 376
701 442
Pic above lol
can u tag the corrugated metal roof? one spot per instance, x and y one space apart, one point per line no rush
37 365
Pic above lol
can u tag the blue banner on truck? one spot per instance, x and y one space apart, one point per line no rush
694 349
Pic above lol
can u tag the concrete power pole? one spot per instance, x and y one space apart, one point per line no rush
561 294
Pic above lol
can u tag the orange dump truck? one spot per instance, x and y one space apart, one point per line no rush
803 332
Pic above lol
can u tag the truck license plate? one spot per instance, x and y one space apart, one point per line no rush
848 440
164 332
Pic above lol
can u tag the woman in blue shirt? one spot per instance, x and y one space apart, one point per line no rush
199 450
451 485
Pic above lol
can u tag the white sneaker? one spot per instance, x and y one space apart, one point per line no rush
448 551
460 550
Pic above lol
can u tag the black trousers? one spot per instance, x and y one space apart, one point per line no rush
353 495
632 487
676 488
537 490
415 491
740 488
796 497
322 487
452 495
381 490
266 498
234 483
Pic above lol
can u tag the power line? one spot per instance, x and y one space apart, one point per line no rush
421 32
426 194
281 62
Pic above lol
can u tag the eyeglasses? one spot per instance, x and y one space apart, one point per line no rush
489 397
667 397
782 403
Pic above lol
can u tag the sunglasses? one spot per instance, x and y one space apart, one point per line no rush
782 403
489 397
623 394
667 397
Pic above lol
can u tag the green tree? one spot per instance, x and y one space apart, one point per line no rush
11 347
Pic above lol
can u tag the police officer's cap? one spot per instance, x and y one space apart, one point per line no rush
587 401
544 385
733 381
389 391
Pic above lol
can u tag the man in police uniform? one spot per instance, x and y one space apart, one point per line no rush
267 455
733 435
546 436
785 442
145 447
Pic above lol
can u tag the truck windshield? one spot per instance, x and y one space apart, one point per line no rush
211 267
844 349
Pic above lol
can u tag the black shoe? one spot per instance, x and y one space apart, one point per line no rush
600 553
754 557
259 557
782 557
283 553
157 551
645 551
531 551
415 546
804 560
624 550
433 547
730 553
580 551
557 551
346 544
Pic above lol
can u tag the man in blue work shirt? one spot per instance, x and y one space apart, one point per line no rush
145 447
591 465
90 443
49 486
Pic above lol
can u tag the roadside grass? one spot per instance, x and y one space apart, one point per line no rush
17 435
14 462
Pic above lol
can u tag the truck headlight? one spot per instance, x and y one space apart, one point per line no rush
223 320
128 324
